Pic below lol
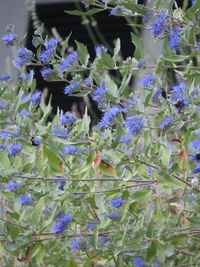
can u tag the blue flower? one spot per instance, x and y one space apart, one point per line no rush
156 263
61 225
124 139
47 209
66 118
87 81
193 2
4 77
99 48
116 202
197 169
35 97
26 199
168 121
24 56
14 148
60 131
147 80
196 144
68 61
51 43
24 112
46 55
140 63
138 262
9 38
156 95
46 73
115 10
109 115
114 215
60 213
158 24
174 38
12 186
198 46
134 124
75 244
70 149
104 239
69 89
90 226
99 94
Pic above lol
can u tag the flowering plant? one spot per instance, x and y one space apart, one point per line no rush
124 192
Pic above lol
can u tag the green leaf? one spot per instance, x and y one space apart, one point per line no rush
36 213
166 155
65 45
104 61
118 134
82 53
4 161
139 47
176 58
116 49
112 87
85 125
80 13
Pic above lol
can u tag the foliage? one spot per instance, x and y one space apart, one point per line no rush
124 192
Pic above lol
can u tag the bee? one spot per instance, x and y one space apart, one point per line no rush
178 102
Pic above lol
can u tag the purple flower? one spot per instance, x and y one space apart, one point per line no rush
158 24
147 80
193 2
117 202
9 38
26 199
138 262
134 124
14 148
12 186
109 115
46 73
4 77
68 61
24 56
99 48
174 38
63 222
35 97
166 122
67 118
156 263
